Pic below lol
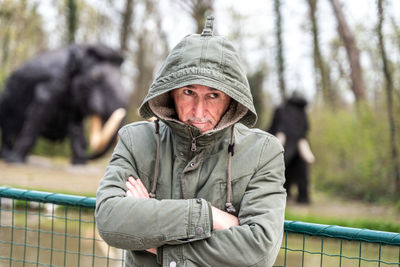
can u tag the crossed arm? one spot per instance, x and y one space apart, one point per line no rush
221 219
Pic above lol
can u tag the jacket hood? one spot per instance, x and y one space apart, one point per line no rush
207 60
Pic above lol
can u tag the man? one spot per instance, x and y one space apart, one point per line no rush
197 187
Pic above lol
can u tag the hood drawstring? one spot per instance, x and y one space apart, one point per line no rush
228 205
152 193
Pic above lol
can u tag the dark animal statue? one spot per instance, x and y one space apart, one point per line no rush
52 94
290 125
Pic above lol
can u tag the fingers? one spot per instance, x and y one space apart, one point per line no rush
140 186
132 190
136 189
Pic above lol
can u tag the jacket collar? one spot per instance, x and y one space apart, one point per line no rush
192 136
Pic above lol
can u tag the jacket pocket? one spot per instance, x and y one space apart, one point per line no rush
239 186
215 190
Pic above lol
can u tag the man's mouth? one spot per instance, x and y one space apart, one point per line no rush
200 123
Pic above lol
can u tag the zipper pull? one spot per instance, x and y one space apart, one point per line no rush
193 148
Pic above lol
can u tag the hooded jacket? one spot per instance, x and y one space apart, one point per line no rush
187 172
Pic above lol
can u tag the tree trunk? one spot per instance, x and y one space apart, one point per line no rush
256 81
146 56
72 20
396 32
145 68
353 53
279 45
321 68
389 96
126 24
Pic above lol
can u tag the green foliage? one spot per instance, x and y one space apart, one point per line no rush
352 152
48 148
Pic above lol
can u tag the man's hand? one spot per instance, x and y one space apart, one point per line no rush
136 189
223 220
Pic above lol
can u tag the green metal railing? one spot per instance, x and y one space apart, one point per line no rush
47 229
50 229
309 244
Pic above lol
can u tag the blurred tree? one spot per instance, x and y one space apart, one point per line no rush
21 34
256 81
396 32
340 79
150 49
82 22
322 70
198 10
280 59
373 82
396 40
256 68
352 50
386 64
126 24
72 19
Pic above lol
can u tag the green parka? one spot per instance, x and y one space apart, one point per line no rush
188 171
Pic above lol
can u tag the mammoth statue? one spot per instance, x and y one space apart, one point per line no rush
290 126
50 96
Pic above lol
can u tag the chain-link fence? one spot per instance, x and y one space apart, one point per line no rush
50 229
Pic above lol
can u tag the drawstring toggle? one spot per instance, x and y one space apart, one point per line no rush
230 208
231 148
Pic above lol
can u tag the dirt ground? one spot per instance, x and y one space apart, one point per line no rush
57 175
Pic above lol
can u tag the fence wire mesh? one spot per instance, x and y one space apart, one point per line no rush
49 229
39 233
300 249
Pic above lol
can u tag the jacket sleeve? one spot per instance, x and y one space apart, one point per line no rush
256 242
120 220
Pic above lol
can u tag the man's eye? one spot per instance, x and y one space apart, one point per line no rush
188 92
213 95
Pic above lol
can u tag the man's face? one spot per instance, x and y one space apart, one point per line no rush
200 106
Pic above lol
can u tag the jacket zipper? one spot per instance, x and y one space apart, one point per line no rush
193 147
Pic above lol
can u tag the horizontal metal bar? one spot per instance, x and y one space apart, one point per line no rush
45 197
334 231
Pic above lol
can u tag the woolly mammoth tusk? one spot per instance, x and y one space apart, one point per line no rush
100 135
305 151
281 137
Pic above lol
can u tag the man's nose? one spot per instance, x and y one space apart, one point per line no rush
199 109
